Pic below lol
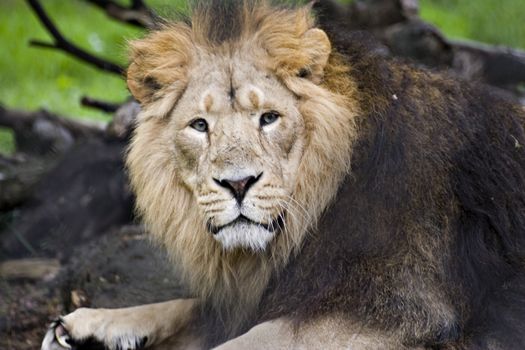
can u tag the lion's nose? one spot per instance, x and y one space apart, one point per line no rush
238 187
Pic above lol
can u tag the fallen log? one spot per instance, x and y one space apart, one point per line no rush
32 269
18 176
397 26
41 132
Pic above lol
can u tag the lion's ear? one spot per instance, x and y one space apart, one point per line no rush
157 62
141 86
317 47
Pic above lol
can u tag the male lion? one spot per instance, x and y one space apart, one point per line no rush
315 195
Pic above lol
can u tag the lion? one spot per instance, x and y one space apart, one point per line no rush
314 194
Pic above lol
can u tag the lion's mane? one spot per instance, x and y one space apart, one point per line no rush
234 281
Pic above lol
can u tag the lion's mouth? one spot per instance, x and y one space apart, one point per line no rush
274 226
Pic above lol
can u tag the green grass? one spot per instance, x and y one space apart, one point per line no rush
32 78
7 142
492 21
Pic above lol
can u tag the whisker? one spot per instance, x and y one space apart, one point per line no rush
282 221
306 214
294 210
289 211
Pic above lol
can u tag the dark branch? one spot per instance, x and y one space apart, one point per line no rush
103 106
137 14
61 43
137 4
43 44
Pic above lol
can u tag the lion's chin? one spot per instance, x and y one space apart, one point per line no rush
244 235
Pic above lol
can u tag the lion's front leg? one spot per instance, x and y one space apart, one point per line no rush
325 333
128 328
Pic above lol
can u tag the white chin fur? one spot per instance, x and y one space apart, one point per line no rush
244 235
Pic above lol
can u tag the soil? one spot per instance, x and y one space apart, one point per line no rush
120 268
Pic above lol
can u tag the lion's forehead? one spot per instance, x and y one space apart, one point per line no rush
222 98
220 83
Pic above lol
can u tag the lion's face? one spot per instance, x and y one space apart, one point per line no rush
237 139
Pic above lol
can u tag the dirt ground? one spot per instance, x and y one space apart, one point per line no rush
121 268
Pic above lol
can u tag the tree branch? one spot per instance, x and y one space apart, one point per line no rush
103 106
137 4
137 14
61 43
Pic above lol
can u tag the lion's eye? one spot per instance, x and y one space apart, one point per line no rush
269 117
199 125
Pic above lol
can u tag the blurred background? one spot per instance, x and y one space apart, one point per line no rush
68 237
32 78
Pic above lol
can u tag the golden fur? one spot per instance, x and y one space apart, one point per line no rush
286 43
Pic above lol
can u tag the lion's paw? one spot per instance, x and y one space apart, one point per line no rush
77 333
56 337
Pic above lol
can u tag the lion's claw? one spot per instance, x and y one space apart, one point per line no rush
57 337
61 335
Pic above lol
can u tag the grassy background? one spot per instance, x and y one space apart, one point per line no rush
500 22
31 78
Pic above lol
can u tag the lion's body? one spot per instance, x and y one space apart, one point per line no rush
400 193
